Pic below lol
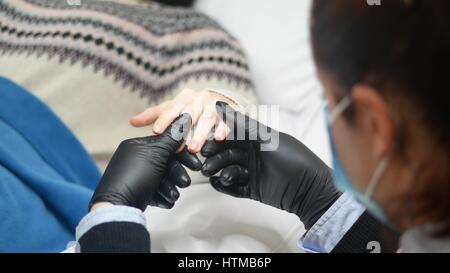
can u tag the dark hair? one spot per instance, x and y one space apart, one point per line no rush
176 3
400 43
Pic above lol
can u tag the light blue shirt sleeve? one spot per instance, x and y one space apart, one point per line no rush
109 214
326 233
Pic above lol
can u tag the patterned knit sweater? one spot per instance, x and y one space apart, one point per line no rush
97 63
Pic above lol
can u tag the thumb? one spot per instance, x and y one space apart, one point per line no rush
242 127
177 132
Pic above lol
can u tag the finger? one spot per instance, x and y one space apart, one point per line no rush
189 160
214 164
167 117
168 191
234 174
176 133
203 128
212 147
194 108
222 131
235 190
181 148
159 201
178 175
242 127
148 116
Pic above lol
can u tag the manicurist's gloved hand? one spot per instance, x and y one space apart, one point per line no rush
289 177
145 171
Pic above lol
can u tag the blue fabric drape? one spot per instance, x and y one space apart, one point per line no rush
46 176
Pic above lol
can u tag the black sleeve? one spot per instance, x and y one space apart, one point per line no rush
367 235
116 237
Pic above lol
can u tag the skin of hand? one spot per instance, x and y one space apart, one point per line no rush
100 205
288 176
201 106
145 171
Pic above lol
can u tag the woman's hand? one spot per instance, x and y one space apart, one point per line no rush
270 167
145 171
201 106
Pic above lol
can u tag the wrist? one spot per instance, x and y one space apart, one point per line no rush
222 97
314 211
105 198
99 205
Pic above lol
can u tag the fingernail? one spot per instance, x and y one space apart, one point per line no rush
156 129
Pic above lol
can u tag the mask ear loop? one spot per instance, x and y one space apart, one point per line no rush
376 177
340 108
379 171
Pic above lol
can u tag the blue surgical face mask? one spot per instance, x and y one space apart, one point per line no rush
341 180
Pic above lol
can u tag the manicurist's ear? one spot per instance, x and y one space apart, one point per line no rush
375 118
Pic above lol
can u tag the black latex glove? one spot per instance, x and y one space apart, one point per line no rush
144 171
291 177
